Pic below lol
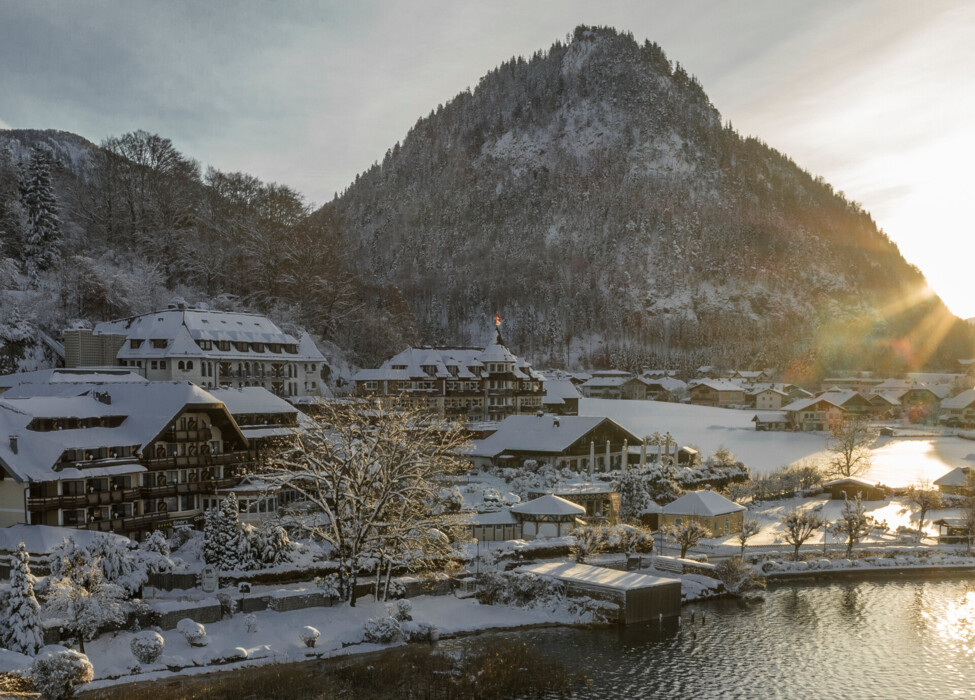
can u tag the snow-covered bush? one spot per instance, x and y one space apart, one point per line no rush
593 610
383 630
330 585
147 646
56 671
520 590
250 623
400 610
118 561
309 635
228 606
193 632
420 631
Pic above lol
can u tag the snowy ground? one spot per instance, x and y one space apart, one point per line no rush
897 461
276 640
892 510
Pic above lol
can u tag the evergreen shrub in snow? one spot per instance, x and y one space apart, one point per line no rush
21 628
383 630
56 671
228 606
193 632
420 631
330 585
400 610
250 623
147 647
309 635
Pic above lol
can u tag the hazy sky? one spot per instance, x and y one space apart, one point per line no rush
876 96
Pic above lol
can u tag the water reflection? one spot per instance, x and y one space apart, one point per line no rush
954 623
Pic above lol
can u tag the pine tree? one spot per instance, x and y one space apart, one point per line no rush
43 231
228 535
211 536
21 630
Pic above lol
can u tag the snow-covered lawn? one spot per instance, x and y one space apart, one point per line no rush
897 461
769 515
277 640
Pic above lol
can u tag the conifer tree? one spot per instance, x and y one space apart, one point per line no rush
21 631
228 534
43 230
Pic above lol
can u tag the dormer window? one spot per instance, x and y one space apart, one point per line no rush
159 343
135 343
257 347
223 345
241 347
205 344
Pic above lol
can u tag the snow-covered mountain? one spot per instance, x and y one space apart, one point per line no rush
594 197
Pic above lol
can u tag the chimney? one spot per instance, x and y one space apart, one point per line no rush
555 423
13 444
104 397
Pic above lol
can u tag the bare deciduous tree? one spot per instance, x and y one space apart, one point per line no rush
799 527
749 529
854 523
922 498
849 441
686 535
369 478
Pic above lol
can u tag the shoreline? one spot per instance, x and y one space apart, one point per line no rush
117 688
111 688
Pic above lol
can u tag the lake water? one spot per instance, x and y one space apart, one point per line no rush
912 640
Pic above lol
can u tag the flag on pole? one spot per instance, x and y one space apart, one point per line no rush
497 319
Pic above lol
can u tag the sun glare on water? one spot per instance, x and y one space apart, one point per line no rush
955 623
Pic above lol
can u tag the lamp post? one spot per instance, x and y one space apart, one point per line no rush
477 565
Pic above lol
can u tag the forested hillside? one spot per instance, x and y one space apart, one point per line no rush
590 194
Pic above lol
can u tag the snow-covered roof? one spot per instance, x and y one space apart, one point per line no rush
597 576
934 377
143 411
956 477
548 504
497 517
41 539
853 481
542 434
181 328
612 380
252 399
838 398
558 387
93 375
719 385
963 400
770 417
611 373
665 383
706 503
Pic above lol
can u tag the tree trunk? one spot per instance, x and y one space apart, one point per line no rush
683 550
795 555
81 642
389 577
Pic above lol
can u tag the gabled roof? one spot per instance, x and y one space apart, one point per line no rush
558 388
74 375
853 481
146 410
718 385
706 503
613 380
956 477
770 417
548 504
963 400
182 327
542 434
666 383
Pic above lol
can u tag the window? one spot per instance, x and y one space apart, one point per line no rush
181 366
162 364
155 364
189 365
135 343
159 343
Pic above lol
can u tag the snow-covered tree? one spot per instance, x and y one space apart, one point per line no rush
43 231
589 540
799 525
738 578
223 539
78 593
373 474
849 441
686 535
118 561
21 630
921 498
853 524
749 528
634 497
